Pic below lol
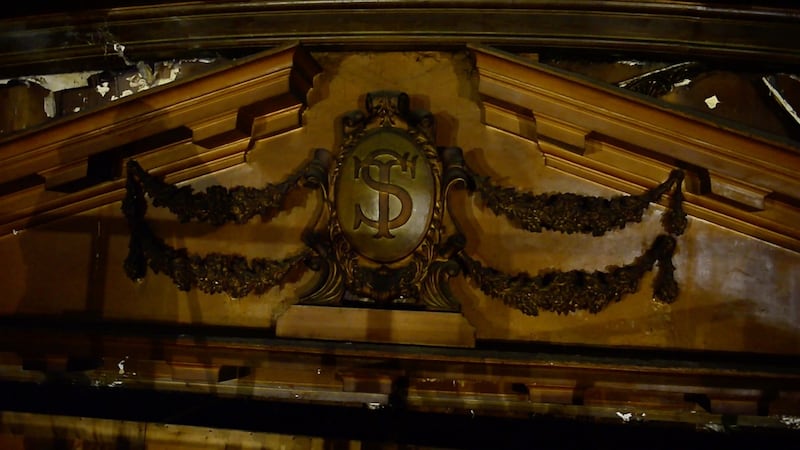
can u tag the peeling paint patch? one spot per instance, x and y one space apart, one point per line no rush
137 83
119 49
712 102
103 89
631 63
76 109
792 422
626 417
170 76
776 94
57 82
145 78
50 105
199 60
715 427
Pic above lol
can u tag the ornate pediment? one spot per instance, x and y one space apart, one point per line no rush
469 199
384 235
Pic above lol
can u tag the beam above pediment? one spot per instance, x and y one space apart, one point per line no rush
66 41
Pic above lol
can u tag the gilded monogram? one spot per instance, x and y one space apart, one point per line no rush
383 185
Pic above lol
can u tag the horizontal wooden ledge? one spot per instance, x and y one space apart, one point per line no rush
376 325
29 335
304 371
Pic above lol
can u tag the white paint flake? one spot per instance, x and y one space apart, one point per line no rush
103 89
626 417
712 102
199 60
631 63
683 82
50 105
137 83
174 70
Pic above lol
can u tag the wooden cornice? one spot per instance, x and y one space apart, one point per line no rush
80 40
665 389
180 131
626 142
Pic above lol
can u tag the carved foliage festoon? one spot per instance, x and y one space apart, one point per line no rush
567 291
215 272
380 239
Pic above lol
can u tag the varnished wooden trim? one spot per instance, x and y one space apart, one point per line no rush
149 113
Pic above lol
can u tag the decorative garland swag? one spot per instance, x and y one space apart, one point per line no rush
551 290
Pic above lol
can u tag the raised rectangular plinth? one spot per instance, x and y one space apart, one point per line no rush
376 325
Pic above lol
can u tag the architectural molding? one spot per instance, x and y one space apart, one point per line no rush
667 389
613 137
69 41
180 132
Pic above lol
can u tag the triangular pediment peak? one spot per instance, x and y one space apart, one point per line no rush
182 130
624 141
